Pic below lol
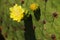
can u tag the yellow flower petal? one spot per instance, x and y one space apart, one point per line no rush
16 13
33 6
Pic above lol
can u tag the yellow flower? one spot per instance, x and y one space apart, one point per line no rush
16 13
33 6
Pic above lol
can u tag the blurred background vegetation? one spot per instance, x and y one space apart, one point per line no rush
46 28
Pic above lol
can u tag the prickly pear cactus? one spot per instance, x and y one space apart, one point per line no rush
30 19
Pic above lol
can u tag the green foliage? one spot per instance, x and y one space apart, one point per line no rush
42 31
